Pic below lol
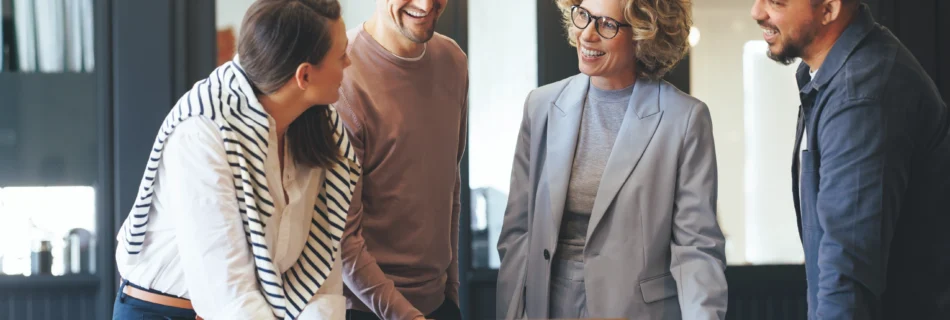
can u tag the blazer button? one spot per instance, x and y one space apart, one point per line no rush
547 254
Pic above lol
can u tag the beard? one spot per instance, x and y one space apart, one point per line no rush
787 55
418 37
422 36
791 48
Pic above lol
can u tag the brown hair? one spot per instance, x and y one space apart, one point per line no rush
276 37
660 28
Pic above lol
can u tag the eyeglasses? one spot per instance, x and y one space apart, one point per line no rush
606 27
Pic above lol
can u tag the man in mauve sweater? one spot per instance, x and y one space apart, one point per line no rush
404 103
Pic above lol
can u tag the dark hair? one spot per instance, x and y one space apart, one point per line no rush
276 37
852 3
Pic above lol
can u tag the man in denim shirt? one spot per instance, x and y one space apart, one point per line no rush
871 171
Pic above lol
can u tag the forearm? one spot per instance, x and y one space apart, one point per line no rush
363 276
366 280
452 282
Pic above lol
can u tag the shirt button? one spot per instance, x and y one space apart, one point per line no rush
547 254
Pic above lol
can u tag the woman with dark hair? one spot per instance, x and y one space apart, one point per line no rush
246 191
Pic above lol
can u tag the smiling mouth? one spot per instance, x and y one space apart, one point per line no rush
418 14
591 53
768 31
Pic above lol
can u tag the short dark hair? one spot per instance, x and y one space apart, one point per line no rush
846 2
277 36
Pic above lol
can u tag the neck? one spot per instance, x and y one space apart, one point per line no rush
614 82
820 50
392 40
816 53
282 109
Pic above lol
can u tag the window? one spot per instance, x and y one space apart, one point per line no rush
503 69
754 106
34 214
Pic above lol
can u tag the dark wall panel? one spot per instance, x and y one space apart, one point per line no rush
454 24
48 304
484 293
885 12
943 48
921 25
142 87
195 42
160 49
105 205
556 58
48 139
679 76
767 292
916 28
49 298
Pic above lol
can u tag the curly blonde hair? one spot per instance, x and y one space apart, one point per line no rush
660 30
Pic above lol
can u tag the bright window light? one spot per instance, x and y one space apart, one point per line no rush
694 36
32 214
770 109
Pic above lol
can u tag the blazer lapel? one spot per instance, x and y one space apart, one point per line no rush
796 176
639 124
564 124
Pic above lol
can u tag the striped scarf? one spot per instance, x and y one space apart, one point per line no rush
227 98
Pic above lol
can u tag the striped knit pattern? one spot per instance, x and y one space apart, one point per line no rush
227 98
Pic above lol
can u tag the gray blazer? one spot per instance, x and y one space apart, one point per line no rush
654 247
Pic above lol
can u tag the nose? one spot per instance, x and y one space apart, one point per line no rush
589 34
424 4
757 13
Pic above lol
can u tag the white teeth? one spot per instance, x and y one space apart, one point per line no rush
592 53
770 32
417 14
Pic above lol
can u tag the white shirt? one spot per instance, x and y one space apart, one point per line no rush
195 246
804 145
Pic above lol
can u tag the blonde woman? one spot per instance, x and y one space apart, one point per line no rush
612 212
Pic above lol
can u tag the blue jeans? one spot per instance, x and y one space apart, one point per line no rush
129 308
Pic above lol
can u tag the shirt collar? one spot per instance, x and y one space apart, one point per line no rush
846 44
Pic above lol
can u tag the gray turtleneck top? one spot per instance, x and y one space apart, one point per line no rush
602 116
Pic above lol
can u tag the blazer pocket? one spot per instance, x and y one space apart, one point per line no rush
658 288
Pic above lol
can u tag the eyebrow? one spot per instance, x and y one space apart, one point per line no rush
599 16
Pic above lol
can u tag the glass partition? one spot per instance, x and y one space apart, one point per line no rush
754 107
47 230
503 69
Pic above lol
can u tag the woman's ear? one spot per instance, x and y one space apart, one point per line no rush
302 76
